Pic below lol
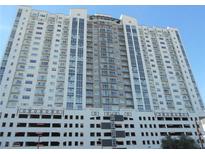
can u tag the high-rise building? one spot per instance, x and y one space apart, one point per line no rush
94 81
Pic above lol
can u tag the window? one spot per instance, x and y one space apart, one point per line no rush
29 75
69 143
144 118
64 143
92 134
56 125
6 144
132 133
92 125
132 126
11 124
163 133
128 142
81 125
81 143
27 89
3 124
98 125
53 69
126 126
34 48
127 134
46 116
39 33
28 82
81 134
160 118
134 142
185 119
1 133
39 27
42 15
98 134
36 43
5 115
23 116
92 143
56 116
26 97
107 134
168 118
162 126
13 116
55 143
9 134
120 142
76 143
40 23
106 118
37 38
65 134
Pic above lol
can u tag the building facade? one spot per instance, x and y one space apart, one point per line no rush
94 81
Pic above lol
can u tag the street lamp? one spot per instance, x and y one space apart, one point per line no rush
39 136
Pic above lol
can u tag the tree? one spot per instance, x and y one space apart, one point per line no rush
183 142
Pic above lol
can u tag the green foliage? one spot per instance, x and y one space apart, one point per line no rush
183 142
